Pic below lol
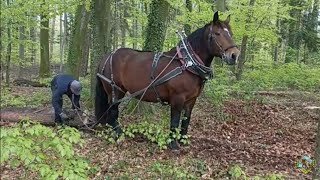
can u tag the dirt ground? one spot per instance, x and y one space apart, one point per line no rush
268 134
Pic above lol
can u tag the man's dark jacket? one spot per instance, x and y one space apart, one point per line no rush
60 85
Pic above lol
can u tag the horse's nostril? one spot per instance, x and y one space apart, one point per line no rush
233 56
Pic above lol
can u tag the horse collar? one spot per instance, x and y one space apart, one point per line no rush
192 62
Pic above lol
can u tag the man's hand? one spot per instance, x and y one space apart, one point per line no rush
63 116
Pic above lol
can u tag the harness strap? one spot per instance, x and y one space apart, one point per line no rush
110 82
155 61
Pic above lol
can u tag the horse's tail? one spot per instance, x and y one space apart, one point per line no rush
101 102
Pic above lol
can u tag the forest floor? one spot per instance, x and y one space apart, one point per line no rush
268 134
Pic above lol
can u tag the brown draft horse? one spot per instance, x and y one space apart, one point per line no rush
176 77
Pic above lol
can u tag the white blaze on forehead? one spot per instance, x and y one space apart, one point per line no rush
225 29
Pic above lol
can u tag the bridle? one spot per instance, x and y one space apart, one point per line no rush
222 51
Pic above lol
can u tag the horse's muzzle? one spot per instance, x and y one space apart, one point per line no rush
232 56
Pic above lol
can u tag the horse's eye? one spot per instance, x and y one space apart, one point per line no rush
218 34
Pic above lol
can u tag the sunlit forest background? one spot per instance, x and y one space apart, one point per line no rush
278 73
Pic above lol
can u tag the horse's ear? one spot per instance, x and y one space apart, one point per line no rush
228 19
215 17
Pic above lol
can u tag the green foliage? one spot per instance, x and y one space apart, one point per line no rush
36 99
168 171
290 76
40 150
236 172
262 76
85 92
152 132
46 81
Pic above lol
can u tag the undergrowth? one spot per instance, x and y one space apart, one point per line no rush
261 76
36 99
41 152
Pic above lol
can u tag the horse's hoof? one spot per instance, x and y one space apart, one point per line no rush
174 145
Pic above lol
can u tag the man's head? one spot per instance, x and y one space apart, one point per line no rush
75 87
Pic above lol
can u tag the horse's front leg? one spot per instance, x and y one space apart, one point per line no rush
186 120
176 108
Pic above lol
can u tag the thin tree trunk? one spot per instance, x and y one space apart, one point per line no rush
316 172
135 27
85 63
66 33
44 47
33 49
244 43
187 27
21 50
8 56
116 25
123 28
242 57
61 40
275 53
276 46
221 5
53 26
1 49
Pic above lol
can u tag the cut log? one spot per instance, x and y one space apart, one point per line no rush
41 116
25 82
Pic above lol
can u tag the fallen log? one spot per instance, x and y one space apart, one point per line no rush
25 82
46 118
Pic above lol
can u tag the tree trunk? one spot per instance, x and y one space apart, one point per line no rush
1 49
61 41
316 172
221 5
242 57
157 25
135 27
44 47
66 34
77 53
53 25
32 48
116 25
124 27
85 55
21 50
244 43
275 53
8 56
187 27
101 32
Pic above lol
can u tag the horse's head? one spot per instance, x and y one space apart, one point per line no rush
220 42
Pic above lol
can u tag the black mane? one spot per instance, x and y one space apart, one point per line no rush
196 38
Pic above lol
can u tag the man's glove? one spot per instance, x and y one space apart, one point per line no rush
63 116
